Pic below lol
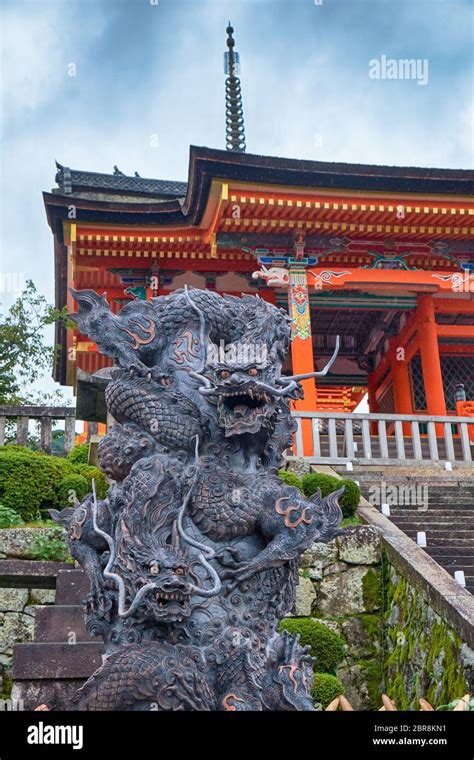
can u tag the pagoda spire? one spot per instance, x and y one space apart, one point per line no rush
234 113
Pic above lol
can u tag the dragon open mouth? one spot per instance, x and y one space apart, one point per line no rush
243 410
167 606
164 598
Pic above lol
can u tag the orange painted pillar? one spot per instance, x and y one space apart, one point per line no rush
430 360
302 355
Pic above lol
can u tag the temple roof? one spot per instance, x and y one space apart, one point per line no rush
72 181
116 198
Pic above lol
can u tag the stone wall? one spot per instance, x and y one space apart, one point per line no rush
396 642
340 586
18 605
424 656
19 543
17 620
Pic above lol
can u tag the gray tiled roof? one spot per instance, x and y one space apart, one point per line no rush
73 180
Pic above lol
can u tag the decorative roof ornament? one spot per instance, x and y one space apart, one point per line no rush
63 177
234 113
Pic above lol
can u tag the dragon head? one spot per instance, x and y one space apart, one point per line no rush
167 570
93 317
242 405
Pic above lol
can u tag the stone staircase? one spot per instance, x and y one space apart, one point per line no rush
63 655
436 502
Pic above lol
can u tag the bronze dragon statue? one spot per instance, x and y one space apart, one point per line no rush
193 554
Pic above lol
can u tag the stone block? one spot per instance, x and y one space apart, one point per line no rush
360 545
57 695
43 595
344 593
305 597
16 626
17 542
13 599
364 640
61 623
319 555
336 567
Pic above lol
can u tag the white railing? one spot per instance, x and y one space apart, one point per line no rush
337 437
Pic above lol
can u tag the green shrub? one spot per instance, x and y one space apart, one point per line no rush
9 518
348 501
326 646
30 481
79 454
88 471
290 478
51 547
71 489
325 689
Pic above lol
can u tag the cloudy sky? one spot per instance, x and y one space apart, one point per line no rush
155 67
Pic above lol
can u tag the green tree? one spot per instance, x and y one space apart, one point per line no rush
24 353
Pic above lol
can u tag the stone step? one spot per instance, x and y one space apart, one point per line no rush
20 573
455 510
56 623
72 587
56 660
439 516
445 557
437 537
431 483
444 522
431 494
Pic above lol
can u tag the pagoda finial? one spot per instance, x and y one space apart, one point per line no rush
234 114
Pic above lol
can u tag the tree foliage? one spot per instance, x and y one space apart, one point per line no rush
24 353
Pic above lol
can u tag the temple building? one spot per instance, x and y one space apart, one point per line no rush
380 256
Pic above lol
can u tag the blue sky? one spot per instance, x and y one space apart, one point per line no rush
146 69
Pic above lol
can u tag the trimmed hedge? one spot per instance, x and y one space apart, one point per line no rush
290 478
326 646
88 471
30 481
325 689
349 500
310 483
79 454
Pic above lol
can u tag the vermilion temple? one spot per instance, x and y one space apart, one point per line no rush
378 255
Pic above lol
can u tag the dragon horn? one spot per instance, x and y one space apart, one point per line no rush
308 375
